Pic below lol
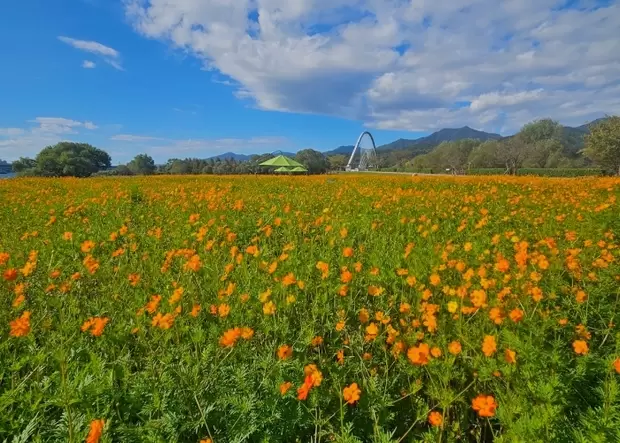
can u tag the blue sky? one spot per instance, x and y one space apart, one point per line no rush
195 78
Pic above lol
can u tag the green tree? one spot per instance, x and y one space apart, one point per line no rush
485 155
65 159
603 144
24 164
314 161
142 164
337 162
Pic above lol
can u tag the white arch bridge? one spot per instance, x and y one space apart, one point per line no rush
367 156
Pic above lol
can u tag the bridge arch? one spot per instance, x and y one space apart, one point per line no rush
368 157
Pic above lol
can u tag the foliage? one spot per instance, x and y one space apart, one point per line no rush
142 164
603 144
337 162
314 161
541 172
176 309
64 159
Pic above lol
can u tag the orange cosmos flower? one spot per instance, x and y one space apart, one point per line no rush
4 258
195 310
20 327
436 352
346 276
351 393
419 355
347 252
284 387
269 308
435 418
223 310
364 316
375 291
289 279
489 345
87 246
10 274
435 279
516 315
371 332
495 314
580 347
617 365
247 333
152 305
324 268
230 337
67 236
134 279
317 341
193 264
96 429
581 296
510 356
304 390
484 405
315 375
206 440
285 352
176 296
96 325
340 356
454 348
163 321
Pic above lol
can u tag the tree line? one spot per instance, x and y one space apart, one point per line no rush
539 144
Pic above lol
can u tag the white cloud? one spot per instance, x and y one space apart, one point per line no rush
109 55
88 64
403 64
43 131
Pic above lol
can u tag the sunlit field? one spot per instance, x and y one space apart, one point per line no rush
340 308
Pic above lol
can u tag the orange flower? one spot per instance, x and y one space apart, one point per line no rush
316 376
20 327
152 305
495 314
285 352
340 357
581 296
87 246
206 440
617 365
247 333
230 337
435 279
67 236
484 405
304 390
289 279
163 321
324 268
317 341
134 279
375 290
436 352
510 356
489 345
346 276
371 332
351 393
454 348
10 274
223 310
580 347
193 264
419 355
195 310
269 308
364 316
435 418
4 258
347 252
96 429
516 315
284 387
96 325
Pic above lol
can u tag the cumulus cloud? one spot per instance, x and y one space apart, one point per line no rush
87 64
400 64
109 55
42 131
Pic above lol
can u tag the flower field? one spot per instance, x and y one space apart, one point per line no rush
296 309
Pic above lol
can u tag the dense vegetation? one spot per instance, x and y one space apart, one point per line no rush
540 146
326 308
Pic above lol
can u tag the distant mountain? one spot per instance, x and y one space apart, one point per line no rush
231 156
443 135
341 150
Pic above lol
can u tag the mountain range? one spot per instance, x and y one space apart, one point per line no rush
424 144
